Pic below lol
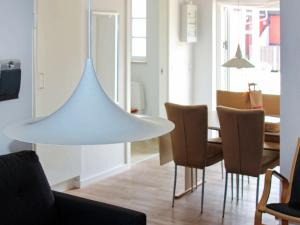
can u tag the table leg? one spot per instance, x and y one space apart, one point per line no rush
187 183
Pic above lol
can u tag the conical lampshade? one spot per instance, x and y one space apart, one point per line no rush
238 61
89 117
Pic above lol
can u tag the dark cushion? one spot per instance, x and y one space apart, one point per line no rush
295 192
79 211
284 209
25 195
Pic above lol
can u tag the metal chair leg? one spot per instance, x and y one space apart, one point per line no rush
248 180
237 187
222 169
174 187
203 183
242 186
192 180
257 190
232 187
225 194
196 177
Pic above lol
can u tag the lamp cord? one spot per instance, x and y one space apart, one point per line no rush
89 29
241 23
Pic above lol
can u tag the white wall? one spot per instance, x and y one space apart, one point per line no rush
148 73
290 81
180 59
97 162
204 54
16 22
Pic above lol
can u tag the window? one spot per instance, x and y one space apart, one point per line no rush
139 30
258 33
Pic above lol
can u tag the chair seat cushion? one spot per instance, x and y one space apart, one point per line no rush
214 153
269 161
272 146
217 140
272 138
284 209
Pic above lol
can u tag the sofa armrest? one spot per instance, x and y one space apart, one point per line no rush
79 211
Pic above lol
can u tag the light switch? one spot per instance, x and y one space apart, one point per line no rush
42 82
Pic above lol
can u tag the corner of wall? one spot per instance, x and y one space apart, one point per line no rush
16 43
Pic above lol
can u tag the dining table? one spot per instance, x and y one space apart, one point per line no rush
214 124
165 145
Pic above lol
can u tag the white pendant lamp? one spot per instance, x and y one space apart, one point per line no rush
89 117
238 61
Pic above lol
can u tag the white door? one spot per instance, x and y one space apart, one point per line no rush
58 66
163 56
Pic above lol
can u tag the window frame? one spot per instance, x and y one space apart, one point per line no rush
139 59
223 75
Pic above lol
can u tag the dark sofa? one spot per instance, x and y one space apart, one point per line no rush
26 199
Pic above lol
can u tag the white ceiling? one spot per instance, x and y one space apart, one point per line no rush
257 3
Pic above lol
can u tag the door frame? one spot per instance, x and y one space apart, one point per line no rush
164 51
163 64
128 75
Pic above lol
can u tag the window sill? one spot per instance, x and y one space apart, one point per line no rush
138 61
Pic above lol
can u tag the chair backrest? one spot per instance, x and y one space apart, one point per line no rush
189 138
238 100
242 134
241 100
294 199
25 194
271 104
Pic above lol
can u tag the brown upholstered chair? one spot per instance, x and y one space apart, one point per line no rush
241 100
190 145
289 208
243 143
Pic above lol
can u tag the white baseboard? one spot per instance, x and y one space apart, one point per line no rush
65 186
80 183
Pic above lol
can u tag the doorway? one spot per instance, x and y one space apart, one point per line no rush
149 67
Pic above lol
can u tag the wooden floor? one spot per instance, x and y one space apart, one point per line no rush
147 187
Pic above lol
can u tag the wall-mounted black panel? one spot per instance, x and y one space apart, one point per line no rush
10 79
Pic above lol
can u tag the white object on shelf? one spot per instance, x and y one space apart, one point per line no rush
137 96
188 23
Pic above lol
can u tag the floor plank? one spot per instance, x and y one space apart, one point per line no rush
147 187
